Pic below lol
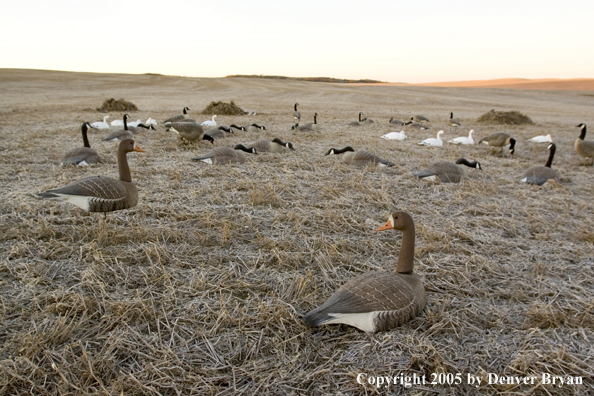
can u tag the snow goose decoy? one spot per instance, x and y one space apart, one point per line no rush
585 148
101 193
188 131
179 117
500 139
541 139
274 146
296 113
101 124
210 123
117 123
151 121
357 123
394 136
378 301
463 139
361 157
82 156
540 174
226 155
448 172
436 141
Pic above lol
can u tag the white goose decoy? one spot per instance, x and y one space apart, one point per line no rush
463 139
210 123
541 139
437 142
394 136
116 123
134 123
150 122
101 124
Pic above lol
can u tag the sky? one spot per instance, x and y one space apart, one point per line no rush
394 41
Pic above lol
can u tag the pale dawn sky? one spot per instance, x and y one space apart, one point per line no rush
395 41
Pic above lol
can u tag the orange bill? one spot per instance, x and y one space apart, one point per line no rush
136 148
387 226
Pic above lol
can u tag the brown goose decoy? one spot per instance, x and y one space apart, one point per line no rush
82 156
178 118
585 148
274 146
226 155
357 123
540 174
378 301
500 139
361 157
101 193
448 172
188 131
296 114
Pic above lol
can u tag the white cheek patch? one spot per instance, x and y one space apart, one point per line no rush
381 165
207 160
431 178
83 163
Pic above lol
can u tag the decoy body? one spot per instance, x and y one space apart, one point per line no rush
585 148
500 139
226 155
296 114
101 124
178 118
436 141
210 123
415 125
396 122
463 139
82 156
541 139
274 146
220 132
253 128
361 157
448 172
378 301
101 193
189 131
540 174
311 125
394 136
357 123
420 118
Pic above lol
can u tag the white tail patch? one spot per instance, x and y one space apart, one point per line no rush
207 160
362 321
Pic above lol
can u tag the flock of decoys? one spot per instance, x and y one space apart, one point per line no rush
374 301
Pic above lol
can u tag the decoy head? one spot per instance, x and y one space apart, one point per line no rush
209 138
398 221
128 145
512 145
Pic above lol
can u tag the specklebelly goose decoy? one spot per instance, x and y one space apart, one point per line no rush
500 139
361 157
394 136
378 301
179 117
540 174
463 139
188 131
296 113
101 124
585 148
436 141
274 146
448 172
81 156
101 193
226 155
541 139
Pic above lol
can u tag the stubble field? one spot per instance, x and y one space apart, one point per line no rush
199 289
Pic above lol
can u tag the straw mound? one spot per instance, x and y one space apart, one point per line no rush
222 108
505 117
117 105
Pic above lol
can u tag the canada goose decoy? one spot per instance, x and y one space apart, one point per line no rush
585 148
357 123
367 120
210 123
448 172
436 141
220 132
415 125
500 139
126 133
188 131
540 174
454 122
101 193
541 139
311 125
226 155
420 118
274 146
101 124
82 156
361 157
378 301
254 128
178 118
394 136
302 128
396 122
463 139
241 128
296 114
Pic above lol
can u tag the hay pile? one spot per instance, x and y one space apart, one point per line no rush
505 117
117 105
222 108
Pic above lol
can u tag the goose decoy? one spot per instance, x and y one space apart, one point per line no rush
420 118
361 157
448 172
436 141
226 155
101 124
82 156
151 121
101 193
274 146
463 139
117 123
415 125
396 122
241 128
394 136
454 122
254 128
220 132
540 174
178 118
134 123
126 133
310 125
367 120
541 139
500 139
378 301
210 123
302 128
357 123
585 148
188 131
296 114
